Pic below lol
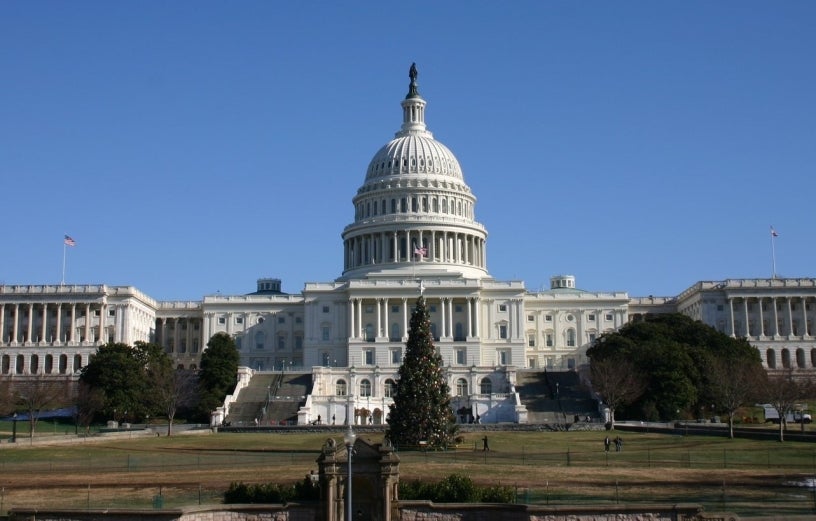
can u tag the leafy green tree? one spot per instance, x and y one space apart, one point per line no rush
218 372
421 409
673 353
118 371
125 377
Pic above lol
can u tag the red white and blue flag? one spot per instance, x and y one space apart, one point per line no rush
421 251
69 241
773 232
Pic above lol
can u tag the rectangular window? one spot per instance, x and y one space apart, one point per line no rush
530 318
326 332
609 317
502 307
504 357
222 320
531 341
325 309
432 308
396 356
592 337
281 320
298 320
298 342
719 307
111 313
394 309
549 339
239 320
368 357
458 308
460 357
502 331
591 317
548 318
281 342
369 309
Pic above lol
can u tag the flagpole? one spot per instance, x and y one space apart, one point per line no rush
773 253
64 247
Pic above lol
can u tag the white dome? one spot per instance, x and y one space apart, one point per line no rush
414 154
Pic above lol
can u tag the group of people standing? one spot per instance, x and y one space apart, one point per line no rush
618 441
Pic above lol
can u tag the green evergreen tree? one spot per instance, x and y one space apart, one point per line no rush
421 409
218 372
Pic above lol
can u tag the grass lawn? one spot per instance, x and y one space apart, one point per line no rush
744 476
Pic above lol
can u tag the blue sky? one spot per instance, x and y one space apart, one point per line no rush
193 147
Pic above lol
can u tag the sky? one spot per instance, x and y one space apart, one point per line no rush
192 147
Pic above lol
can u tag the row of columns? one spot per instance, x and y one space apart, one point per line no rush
23 329
357 327
393 247
774 316
189 341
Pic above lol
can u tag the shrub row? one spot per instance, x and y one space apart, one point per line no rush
455 488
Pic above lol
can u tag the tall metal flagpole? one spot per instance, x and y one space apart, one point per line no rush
774 235
64 247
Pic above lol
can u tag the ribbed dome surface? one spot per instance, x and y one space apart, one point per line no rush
414 154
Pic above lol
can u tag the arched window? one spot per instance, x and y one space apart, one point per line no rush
6 366
461 387
63 364
20 365
786 359
486 386
800 358
49 364
369 332
365 388
570 338
77 362
34 364
770 358
390 388
340 388
433 331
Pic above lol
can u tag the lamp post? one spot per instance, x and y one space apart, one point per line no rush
14 428
348 439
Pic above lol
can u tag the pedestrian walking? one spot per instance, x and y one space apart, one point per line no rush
485 446
606 444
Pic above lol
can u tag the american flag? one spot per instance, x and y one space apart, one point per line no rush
421 251
773 232
69 241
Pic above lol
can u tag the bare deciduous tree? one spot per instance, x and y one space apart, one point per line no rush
617 383
735 383
783 391
175 388
41 393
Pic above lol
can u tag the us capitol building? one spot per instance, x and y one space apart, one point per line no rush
414 232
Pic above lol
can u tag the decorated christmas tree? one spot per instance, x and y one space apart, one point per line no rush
421 411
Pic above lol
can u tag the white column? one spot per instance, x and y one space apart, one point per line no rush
731 314
2 323
761 319
87 322
404 318
72 329
469 317
359 318
805 331
42 326
790 317
745 312
451 331
443 332
30 323
775 317
15 325
351 318
477 318
379 317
